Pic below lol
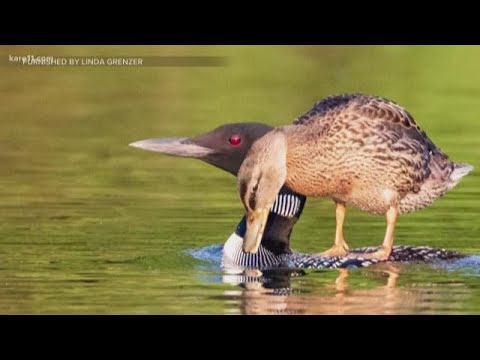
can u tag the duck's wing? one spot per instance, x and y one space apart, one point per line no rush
389 128
325 109
353 106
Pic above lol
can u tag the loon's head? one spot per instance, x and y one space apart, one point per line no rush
225 147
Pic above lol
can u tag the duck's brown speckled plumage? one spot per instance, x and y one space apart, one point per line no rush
367 151
361 150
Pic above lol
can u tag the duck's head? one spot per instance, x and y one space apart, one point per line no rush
224 147
261 176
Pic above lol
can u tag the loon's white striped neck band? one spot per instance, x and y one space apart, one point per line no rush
234 257
286 205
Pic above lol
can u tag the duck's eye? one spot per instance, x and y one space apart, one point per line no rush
235 140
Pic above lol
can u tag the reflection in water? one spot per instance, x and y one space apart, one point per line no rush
272 292
411 287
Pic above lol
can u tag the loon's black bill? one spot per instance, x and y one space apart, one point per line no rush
256 222
173 146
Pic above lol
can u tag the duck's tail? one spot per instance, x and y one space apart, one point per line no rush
444 176
459 171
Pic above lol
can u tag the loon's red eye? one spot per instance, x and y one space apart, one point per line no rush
235 140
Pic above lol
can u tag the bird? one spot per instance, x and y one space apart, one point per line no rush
361 150
225 147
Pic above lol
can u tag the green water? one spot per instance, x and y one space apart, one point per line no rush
90 225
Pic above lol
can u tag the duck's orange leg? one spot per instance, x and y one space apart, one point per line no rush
340 247
386 249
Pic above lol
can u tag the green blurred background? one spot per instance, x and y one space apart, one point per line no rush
90 225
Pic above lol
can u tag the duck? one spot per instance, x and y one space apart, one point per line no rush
226 147
360 150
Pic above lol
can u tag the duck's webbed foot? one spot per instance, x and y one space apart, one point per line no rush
336 251
382 254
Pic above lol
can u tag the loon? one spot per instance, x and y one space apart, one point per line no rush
226 147
360 150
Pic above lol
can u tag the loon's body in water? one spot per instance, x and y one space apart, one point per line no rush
275 251
226 147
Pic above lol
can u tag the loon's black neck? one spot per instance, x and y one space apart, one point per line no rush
283 216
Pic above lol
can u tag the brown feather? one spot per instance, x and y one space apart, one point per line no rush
367 151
